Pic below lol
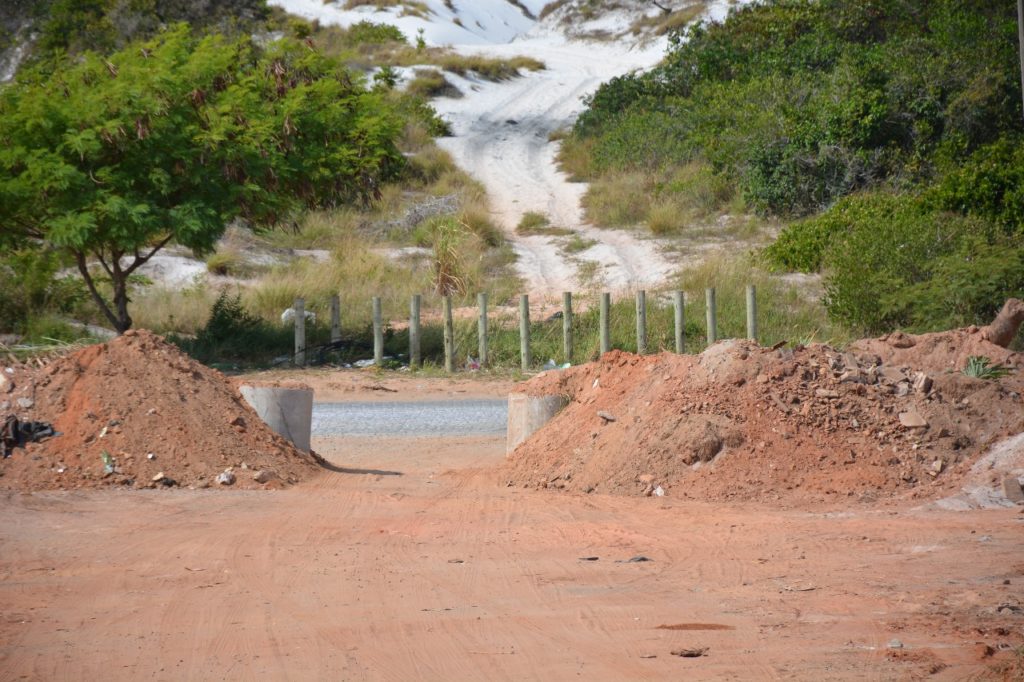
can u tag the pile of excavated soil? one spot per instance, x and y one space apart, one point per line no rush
152 410
809 424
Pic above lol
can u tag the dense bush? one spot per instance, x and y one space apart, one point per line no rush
891 128
801 102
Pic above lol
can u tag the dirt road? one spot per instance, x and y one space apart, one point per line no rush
415 562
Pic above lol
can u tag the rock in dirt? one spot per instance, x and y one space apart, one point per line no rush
607 416
911 419
6 383
264 476
1012 489
690 653
226 478
25 403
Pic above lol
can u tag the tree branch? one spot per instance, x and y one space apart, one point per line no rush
141 260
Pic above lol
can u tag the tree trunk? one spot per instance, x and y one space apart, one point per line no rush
1004 328
120 320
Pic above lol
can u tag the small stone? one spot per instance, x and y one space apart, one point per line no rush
912 420
244 466
903 389
936 467
159 477
264 476
606 416
922 383
150 455
895 644
25 403
6 384
853 376
827 394
690 653
1012 489
226 478
237 421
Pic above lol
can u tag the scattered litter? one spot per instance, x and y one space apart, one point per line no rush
456 561
15 434
589 558
648 655
472 364
633 560
659 492
362 364
108 462
150 456
550 364
690 653
25 403
226 478
103 432
894 644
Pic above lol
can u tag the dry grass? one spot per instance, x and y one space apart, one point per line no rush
662 23
619 200
339 42
575 158
429 83
163 309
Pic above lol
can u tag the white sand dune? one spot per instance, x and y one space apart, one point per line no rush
501 129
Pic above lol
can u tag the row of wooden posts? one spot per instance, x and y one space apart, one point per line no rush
415 359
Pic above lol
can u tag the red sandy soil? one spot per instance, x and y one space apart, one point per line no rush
442 573
135 396
801 426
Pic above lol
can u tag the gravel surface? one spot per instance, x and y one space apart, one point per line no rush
425 418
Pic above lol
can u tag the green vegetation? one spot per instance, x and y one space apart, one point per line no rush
980 367
170 140
74 26
890 130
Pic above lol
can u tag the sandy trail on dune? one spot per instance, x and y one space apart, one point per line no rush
501 138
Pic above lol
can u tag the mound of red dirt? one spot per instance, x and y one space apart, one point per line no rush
133 409
799 425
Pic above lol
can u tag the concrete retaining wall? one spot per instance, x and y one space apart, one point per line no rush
288 411
527 413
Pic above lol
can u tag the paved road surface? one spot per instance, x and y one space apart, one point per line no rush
425 418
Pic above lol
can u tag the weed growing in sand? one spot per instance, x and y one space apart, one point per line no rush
981 367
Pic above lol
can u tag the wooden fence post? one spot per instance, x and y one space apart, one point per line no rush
481 330
335 319
679 302
712 315
606 336
299 308
414 332
449 335
641 322
751 312
567 326
378 333
524 332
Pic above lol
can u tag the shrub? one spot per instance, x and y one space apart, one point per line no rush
886 248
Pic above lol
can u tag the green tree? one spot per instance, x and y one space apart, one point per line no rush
168 141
